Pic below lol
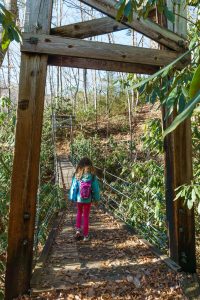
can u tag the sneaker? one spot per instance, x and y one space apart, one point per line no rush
86 238
78 234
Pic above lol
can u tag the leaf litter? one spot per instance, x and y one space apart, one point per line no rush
114 264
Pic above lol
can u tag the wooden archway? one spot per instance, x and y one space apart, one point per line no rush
63 46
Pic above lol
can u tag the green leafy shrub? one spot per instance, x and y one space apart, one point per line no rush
86 115
7 125
152 138
10 30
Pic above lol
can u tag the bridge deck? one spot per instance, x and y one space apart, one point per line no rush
114 264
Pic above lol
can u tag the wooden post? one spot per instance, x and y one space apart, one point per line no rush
178 171
26 157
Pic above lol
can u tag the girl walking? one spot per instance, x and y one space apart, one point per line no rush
84 190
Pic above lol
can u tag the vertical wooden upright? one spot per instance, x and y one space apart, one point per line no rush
178 171
26 157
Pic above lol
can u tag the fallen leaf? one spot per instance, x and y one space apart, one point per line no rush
91 292
136 282
130 278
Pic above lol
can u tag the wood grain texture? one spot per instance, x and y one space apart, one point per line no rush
89 28
40 264
54 45
26 159
38 16
95 64
150 29
178 171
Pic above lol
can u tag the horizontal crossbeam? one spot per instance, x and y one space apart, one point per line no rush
145 26
54 45
89 28
95 64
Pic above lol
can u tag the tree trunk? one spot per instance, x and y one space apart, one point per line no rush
129 100
84 70
85 88
95 97
77 81
9 83
108 102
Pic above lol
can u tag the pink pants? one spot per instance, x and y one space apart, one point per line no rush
83 209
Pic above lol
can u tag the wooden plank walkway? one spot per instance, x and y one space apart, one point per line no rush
66 171
114 264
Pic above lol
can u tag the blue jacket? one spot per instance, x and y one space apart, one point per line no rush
74 193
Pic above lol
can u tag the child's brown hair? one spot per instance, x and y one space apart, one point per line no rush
84 166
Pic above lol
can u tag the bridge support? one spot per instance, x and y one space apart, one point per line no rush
28 140
178 171
26 157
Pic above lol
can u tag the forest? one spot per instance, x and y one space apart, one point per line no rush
115 118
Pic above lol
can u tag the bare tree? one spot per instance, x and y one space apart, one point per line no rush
60 68
95 96
9 75
84 70
85 88
130 114
51 84
77 82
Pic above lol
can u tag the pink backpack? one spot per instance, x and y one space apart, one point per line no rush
85 189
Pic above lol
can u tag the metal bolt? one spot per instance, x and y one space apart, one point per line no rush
25 242
181 43
183 257
26 216
183 254
33 40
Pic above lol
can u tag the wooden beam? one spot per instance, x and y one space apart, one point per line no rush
54 45
88 29
95 64
26 157
178 171
145 26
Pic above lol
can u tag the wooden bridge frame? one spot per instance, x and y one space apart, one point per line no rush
63 46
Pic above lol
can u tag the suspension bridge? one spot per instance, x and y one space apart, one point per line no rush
114 264
117 262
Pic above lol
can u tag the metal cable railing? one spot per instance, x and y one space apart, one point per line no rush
129 202
49 201
49 198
